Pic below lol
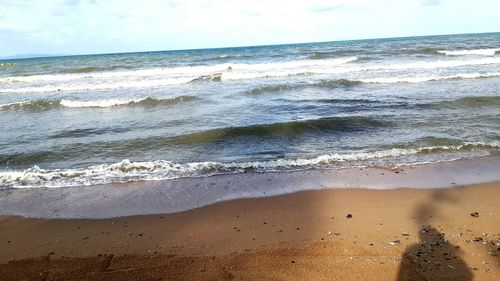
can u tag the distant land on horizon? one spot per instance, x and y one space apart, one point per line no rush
31 56
34 55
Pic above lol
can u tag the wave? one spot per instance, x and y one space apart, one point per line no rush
7 64
421 79
321 84
346 83
89 69
328 124
431 64
77 133
476 52
84 85
467 102
150 78
30 105
191 72
50 104
283 130
405 51
423 51
320 55
127 171
225 58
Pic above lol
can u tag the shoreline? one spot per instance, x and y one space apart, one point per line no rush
307 235
179 195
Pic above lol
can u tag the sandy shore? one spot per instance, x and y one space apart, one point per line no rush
339 234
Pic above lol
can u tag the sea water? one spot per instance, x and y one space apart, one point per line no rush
95 119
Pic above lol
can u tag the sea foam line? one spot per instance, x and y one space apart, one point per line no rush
191 72
421 79
101 103
181 75
305 67
127 171
477 52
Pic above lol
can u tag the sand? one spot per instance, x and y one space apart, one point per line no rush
338 234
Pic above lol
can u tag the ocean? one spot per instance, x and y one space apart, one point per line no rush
112 118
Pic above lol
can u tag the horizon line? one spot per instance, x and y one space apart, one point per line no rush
41 56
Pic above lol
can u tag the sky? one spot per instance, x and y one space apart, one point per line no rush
108 26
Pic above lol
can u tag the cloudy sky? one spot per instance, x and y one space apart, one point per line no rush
104 26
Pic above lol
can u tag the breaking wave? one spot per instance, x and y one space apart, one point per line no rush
346 83
151 78
187 72
50 104
477 52
421 79
128 171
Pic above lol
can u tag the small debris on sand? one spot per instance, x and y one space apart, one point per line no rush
394 242
474 214
349 216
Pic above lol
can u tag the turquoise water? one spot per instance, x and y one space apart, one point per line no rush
86 120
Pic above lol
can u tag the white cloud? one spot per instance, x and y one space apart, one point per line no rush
90 26
430 2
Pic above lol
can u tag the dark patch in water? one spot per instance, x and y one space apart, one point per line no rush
319 55
78 133
467 102
423 51
330 125
88 69
330 84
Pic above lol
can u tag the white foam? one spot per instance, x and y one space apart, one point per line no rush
97 103
433 64
191 71
100 85
159 77
105 102
127 171
477 52
421 79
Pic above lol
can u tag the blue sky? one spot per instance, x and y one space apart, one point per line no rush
103 26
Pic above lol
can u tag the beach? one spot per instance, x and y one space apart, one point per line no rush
330 234
370 159
420 222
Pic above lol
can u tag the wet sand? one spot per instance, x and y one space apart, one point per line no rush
334 234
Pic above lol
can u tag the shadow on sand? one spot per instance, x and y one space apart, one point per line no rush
433 257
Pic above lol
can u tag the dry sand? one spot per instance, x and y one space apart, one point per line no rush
341 234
